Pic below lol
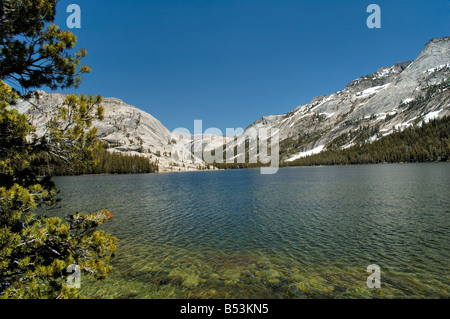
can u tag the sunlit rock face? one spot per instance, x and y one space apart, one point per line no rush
392 98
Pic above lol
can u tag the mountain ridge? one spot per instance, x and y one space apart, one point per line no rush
377 99
381 100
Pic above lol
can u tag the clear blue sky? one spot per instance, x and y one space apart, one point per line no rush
229 62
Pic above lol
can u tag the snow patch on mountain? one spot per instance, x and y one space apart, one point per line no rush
371 91
315 150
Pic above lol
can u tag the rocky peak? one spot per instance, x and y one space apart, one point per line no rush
391 98
124 128
384 101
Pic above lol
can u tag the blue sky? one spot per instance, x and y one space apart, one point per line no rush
229 62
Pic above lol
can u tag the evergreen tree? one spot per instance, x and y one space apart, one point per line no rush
34 51
35 251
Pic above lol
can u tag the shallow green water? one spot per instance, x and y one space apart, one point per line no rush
302 233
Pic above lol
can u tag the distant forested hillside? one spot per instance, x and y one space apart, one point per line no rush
105 162
429 142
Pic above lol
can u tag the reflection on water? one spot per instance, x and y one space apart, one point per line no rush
302 233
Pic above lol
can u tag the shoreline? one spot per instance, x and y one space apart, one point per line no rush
250 168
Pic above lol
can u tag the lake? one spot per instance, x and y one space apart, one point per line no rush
306 232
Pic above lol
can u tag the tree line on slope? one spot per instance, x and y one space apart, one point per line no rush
426 143
104 162
429 142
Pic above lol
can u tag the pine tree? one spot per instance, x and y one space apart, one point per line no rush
35 251
34 51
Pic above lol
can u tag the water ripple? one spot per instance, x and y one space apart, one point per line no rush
303 232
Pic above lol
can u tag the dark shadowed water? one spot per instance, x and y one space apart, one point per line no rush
305 232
